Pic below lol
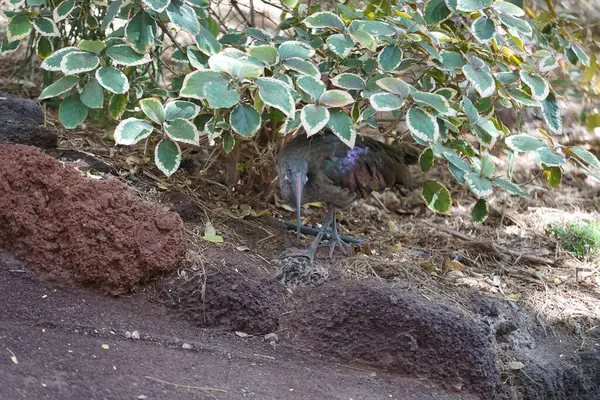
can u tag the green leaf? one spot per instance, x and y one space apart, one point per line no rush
196 58
506 78
508 8
509 187
112 80
111 13
349 82
521 97
123 54
302 66
553 176
183 16
483 29
290 3
386 102
220 96
488 127
63 10
311 86
480 187
436 196
245 120
117 105
374 28
422 125
167 156
470 110
228 145
481 78
472 5
524 143
538 85
550 157
92 94
79 61
46 27
480 211
314 118
132 130
324 19
182 130
43 47
433 100
426 160
396 86
293 48
18 28
548 64
516 24
276 94
59 87
486 166
157 5
52 63
181 109
92 46
7 48
292 124
551 113
336 98
141 31
265 53
341 125
72 112
389 58
458 162
581 54
207 43
193 84
450 60
364 39
585 155
341 45
436 11
153 109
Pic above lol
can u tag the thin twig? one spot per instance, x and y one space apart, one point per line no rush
208 389
167 32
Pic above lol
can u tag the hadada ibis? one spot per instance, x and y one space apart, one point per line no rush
322 168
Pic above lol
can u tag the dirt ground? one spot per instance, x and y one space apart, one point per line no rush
56 337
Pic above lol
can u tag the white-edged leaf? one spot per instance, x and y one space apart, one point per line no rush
314 118
551 113
276 94
157 5
292 124
183 16
521 97
265 53
18 28
312 87
341 45
63 10
46 27
436 11
550 157
390 58
547 64
480 211
365 39
7 47
451 60
79 61
396 86
480 187
132 130
341 125
472 5
506 78
245 120
112 80
52 62
59 87
508 8
153 109
524 143
336 98
509 187
422 125
182 130
436 196
302 66
324 19
140 32
193 84
581 54
181 109
92 94
220 96
386 102
72 112
294 48
123 54
481 79
538 85
469 109
374 28
436 101
349 82
206 42
483 29
167 156
516 24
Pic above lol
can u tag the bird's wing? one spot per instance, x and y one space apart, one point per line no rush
370 166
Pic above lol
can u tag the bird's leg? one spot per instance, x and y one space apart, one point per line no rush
336 240
310 252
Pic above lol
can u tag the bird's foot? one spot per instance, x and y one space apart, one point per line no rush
295 252
336 241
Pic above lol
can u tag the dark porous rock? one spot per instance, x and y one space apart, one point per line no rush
372 323
233 297
21 122
79 230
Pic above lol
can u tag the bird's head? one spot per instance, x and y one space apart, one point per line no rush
296 176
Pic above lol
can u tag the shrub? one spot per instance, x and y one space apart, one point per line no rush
581 239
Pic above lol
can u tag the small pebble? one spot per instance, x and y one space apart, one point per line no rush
142 397
128 335
135 335
187 346
271 337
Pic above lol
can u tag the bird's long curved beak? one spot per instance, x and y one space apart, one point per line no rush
298 187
